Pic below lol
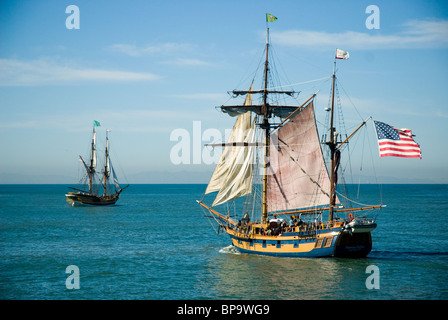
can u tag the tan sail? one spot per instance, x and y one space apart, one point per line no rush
297 176
233 173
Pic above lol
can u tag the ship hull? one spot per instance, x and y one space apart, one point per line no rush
334 242
88 199
353 245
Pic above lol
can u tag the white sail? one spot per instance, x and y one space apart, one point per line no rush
94 150
239 178
233 173
114 176
298 177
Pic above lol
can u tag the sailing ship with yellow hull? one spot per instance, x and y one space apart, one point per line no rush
291 205
100 193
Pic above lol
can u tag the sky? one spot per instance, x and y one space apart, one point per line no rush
152 70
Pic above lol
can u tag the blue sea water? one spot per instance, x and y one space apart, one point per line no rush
155 244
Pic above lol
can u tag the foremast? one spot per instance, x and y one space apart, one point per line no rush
265 111
91 168
265 125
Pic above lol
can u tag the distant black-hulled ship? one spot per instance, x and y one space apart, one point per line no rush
96 188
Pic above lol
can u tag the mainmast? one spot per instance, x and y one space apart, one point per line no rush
266 126
106 173
334 152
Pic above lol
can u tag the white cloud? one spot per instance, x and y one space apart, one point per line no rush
203 96
133 120
415 34
183 62
43 71
164 48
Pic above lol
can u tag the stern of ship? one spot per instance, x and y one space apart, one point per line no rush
355 240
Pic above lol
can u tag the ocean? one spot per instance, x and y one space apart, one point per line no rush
155 244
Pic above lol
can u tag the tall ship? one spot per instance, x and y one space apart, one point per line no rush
98 188
277 194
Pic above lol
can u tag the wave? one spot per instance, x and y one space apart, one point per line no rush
229 249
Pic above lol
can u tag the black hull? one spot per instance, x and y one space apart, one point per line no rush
353 245
92 199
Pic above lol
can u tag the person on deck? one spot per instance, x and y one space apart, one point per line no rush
291 221
246 218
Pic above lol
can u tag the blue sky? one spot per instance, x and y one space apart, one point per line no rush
146 68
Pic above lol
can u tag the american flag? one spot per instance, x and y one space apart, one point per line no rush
396 142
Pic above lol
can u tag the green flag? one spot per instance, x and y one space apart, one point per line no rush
96 123
270 18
